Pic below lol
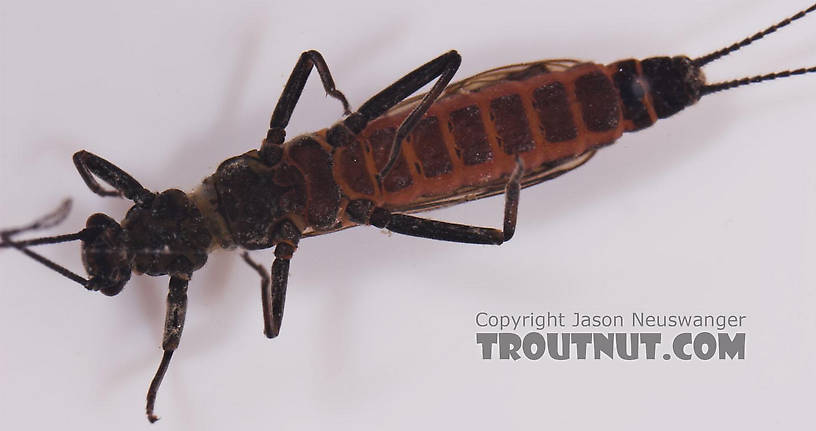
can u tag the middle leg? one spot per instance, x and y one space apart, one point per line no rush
270 150
273 289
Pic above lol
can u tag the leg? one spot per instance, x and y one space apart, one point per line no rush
289 98
272 298
512 191
433 229
280 277
173 325
89 164
443 67
273 291
364 212
266 293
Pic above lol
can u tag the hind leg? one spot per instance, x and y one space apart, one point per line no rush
364 212
442 67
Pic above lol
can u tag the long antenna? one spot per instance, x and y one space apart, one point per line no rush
699 62
720 86
49 220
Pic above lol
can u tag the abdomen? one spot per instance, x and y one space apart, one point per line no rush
472 136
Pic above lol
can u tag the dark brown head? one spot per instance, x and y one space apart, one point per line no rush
672 82
688 71
165 236
669 84
656 87
105 255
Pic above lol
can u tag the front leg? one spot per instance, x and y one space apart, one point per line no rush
90 165
270 151
173 326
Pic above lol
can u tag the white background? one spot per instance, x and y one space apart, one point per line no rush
708 212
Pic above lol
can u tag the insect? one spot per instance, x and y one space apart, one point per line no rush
394 163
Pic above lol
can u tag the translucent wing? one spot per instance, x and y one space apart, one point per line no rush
468 194
513 72
540 175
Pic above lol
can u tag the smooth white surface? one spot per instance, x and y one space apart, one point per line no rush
708 212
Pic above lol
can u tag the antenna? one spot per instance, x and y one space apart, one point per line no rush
720 86
49 220
701 61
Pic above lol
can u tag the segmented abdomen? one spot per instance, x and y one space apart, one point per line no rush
472 136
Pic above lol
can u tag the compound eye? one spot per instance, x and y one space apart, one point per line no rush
105 256
100 220
108 287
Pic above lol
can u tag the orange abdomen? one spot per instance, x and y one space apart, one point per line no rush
473 135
